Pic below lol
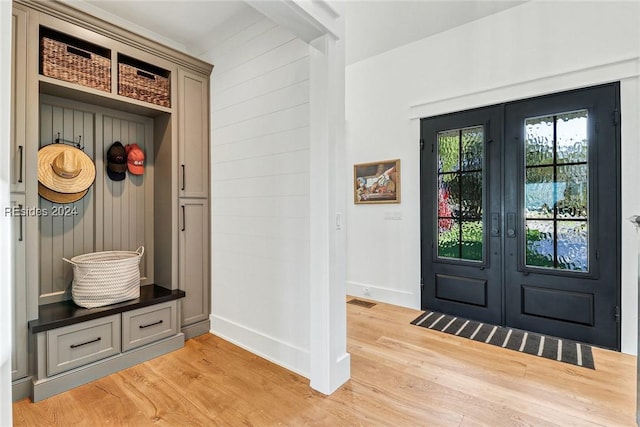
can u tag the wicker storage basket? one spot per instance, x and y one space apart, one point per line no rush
143 85
69 63
103 278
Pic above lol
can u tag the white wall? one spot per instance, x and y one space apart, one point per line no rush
536 48
260 191
5 252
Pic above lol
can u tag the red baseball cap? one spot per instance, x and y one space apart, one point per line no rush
135 159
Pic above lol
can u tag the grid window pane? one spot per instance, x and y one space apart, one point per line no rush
556 192
460 193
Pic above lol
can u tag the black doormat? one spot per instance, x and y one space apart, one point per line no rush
553 348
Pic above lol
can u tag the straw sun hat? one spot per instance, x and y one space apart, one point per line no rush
65 173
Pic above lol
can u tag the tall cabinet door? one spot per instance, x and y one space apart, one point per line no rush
193 191
19 331
193 117
18 97
19 317
193 254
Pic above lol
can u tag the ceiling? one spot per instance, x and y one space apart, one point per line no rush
372 27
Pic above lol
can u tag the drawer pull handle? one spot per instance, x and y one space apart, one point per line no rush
85 343
150 324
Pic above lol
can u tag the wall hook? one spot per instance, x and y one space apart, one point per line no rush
65 141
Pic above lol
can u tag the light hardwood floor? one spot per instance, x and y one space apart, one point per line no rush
401 375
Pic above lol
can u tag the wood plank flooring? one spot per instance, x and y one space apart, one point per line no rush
401 375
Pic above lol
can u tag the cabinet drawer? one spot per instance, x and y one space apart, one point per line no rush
76 345
148 324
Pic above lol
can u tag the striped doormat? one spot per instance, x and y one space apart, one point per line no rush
514 339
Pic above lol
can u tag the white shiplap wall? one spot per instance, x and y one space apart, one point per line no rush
260 192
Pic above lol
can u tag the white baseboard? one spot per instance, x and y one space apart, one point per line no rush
281 353
383 294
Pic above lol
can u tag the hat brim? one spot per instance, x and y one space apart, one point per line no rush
48 178
116 176
136 169
61 198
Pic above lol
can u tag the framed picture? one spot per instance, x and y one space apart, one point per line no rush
376 182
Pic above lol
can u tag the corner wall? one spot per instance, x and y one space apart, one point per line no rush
260 191
528 50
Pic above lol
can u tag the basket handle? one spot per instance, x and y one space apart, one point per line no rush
140 251
78 52
147 75
69 261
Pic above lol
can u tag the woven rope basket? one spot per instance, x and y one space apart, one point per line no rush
103 278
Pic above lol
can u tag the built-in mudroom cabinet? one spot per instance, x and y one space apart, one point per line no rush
141 93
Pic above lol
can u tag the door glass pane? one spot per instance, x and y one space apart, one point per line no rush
539 141
471 200
449 239
472 243
556 191
572 137
460 193
540 243
448 203
539 192
448 151
572 191
472 149
572 245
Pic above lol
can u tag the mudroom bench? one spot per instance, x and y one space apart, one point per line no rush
76 345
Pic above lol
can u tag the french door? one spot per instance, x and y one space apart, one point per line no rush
520 214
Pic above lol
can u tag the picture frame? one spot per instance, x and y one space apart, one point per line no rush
376 182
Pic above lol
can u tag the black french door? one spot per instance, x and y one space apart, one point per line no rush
520 214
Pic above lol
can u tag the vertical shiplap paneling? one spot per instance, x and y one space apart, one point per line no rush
116 196
260 183
69 133
46 222
124 201
88 202
138 201
107 205
123 214
64 234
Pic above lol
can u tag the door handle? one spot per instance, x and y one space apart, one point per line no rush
495 225
21 222
182 177
511 224
184 219
20 149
